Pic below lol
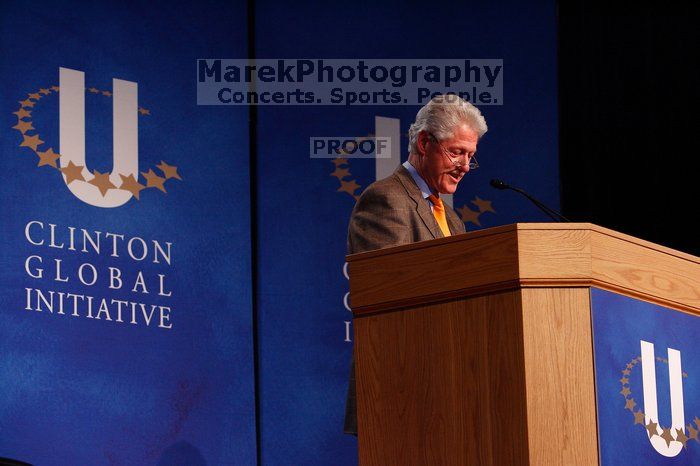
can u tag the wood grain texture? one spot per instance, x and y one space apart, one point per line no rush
470 260
559 375
524 255
646 271
443 384
554 254
477 349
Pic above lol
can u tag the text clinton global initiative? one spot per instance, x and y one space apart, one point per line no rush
129 272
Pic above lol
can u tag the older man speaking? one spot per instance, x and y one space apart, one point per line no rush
406 206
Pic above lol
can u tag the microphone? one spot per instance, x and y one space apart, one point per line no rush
551 213
498 184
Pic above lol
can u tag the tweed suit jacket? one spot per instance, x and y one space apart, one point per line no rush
390 212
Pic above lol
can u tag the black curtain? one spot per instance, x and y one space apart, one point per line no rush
628 120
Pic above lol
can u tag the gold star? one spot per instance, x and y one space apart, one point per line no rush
639 417
629 365
626 372
107 93
21 113
101 180
348 186
31 141
482 205
680 436
23 126
630 404
169 171
693 433
154 181
144 111
625 391
130 184
651 428
469 215
48 157
94 91
341 173
34 96
340 161
666 435
55 88
624 380
44 91
27 103
697 422
73 172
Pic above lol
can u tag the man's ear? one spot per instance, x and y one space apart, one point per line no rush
423 140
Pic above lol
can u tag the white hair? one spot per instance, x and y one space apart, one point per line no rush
442 115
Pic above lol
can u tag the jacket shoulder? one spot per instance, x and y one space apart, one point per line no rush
388 190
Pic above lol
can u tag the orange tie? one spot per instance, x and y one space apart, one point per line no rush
439 213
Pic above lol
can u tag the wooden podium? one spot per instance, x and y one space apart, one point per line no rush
476 349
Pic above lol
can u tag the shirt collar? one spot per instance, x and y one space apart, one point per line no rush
422 185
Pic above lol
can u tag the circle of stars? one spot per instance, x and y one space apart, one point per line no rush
72 172
350 186
652 427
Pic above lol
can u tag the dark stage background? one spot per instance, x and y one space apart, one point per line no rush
628 126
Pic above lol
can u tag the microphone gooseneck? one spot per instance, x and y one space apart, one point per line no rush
551 213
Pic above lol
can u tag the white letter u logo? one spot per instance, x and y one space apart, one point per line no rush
124 132
651 412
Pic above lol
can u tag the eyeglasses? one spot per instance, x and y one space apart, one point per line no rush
455 158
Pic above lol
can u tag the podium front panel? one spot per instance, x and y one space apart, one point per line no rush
647 364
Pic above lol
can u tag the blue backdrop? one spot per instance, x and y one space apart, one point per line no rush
84 391
78 390
304 204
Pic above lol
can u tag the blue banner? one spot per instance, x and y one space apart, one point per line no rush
647 367
126 316
305 325
125 306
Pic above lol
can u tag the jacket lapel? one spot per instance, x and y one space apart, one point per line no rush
454 221
422 206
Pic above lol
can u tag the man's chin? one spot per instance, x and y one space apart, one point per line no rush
448 188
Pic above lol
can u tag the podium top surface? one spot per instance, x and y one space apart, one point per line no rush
524 255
